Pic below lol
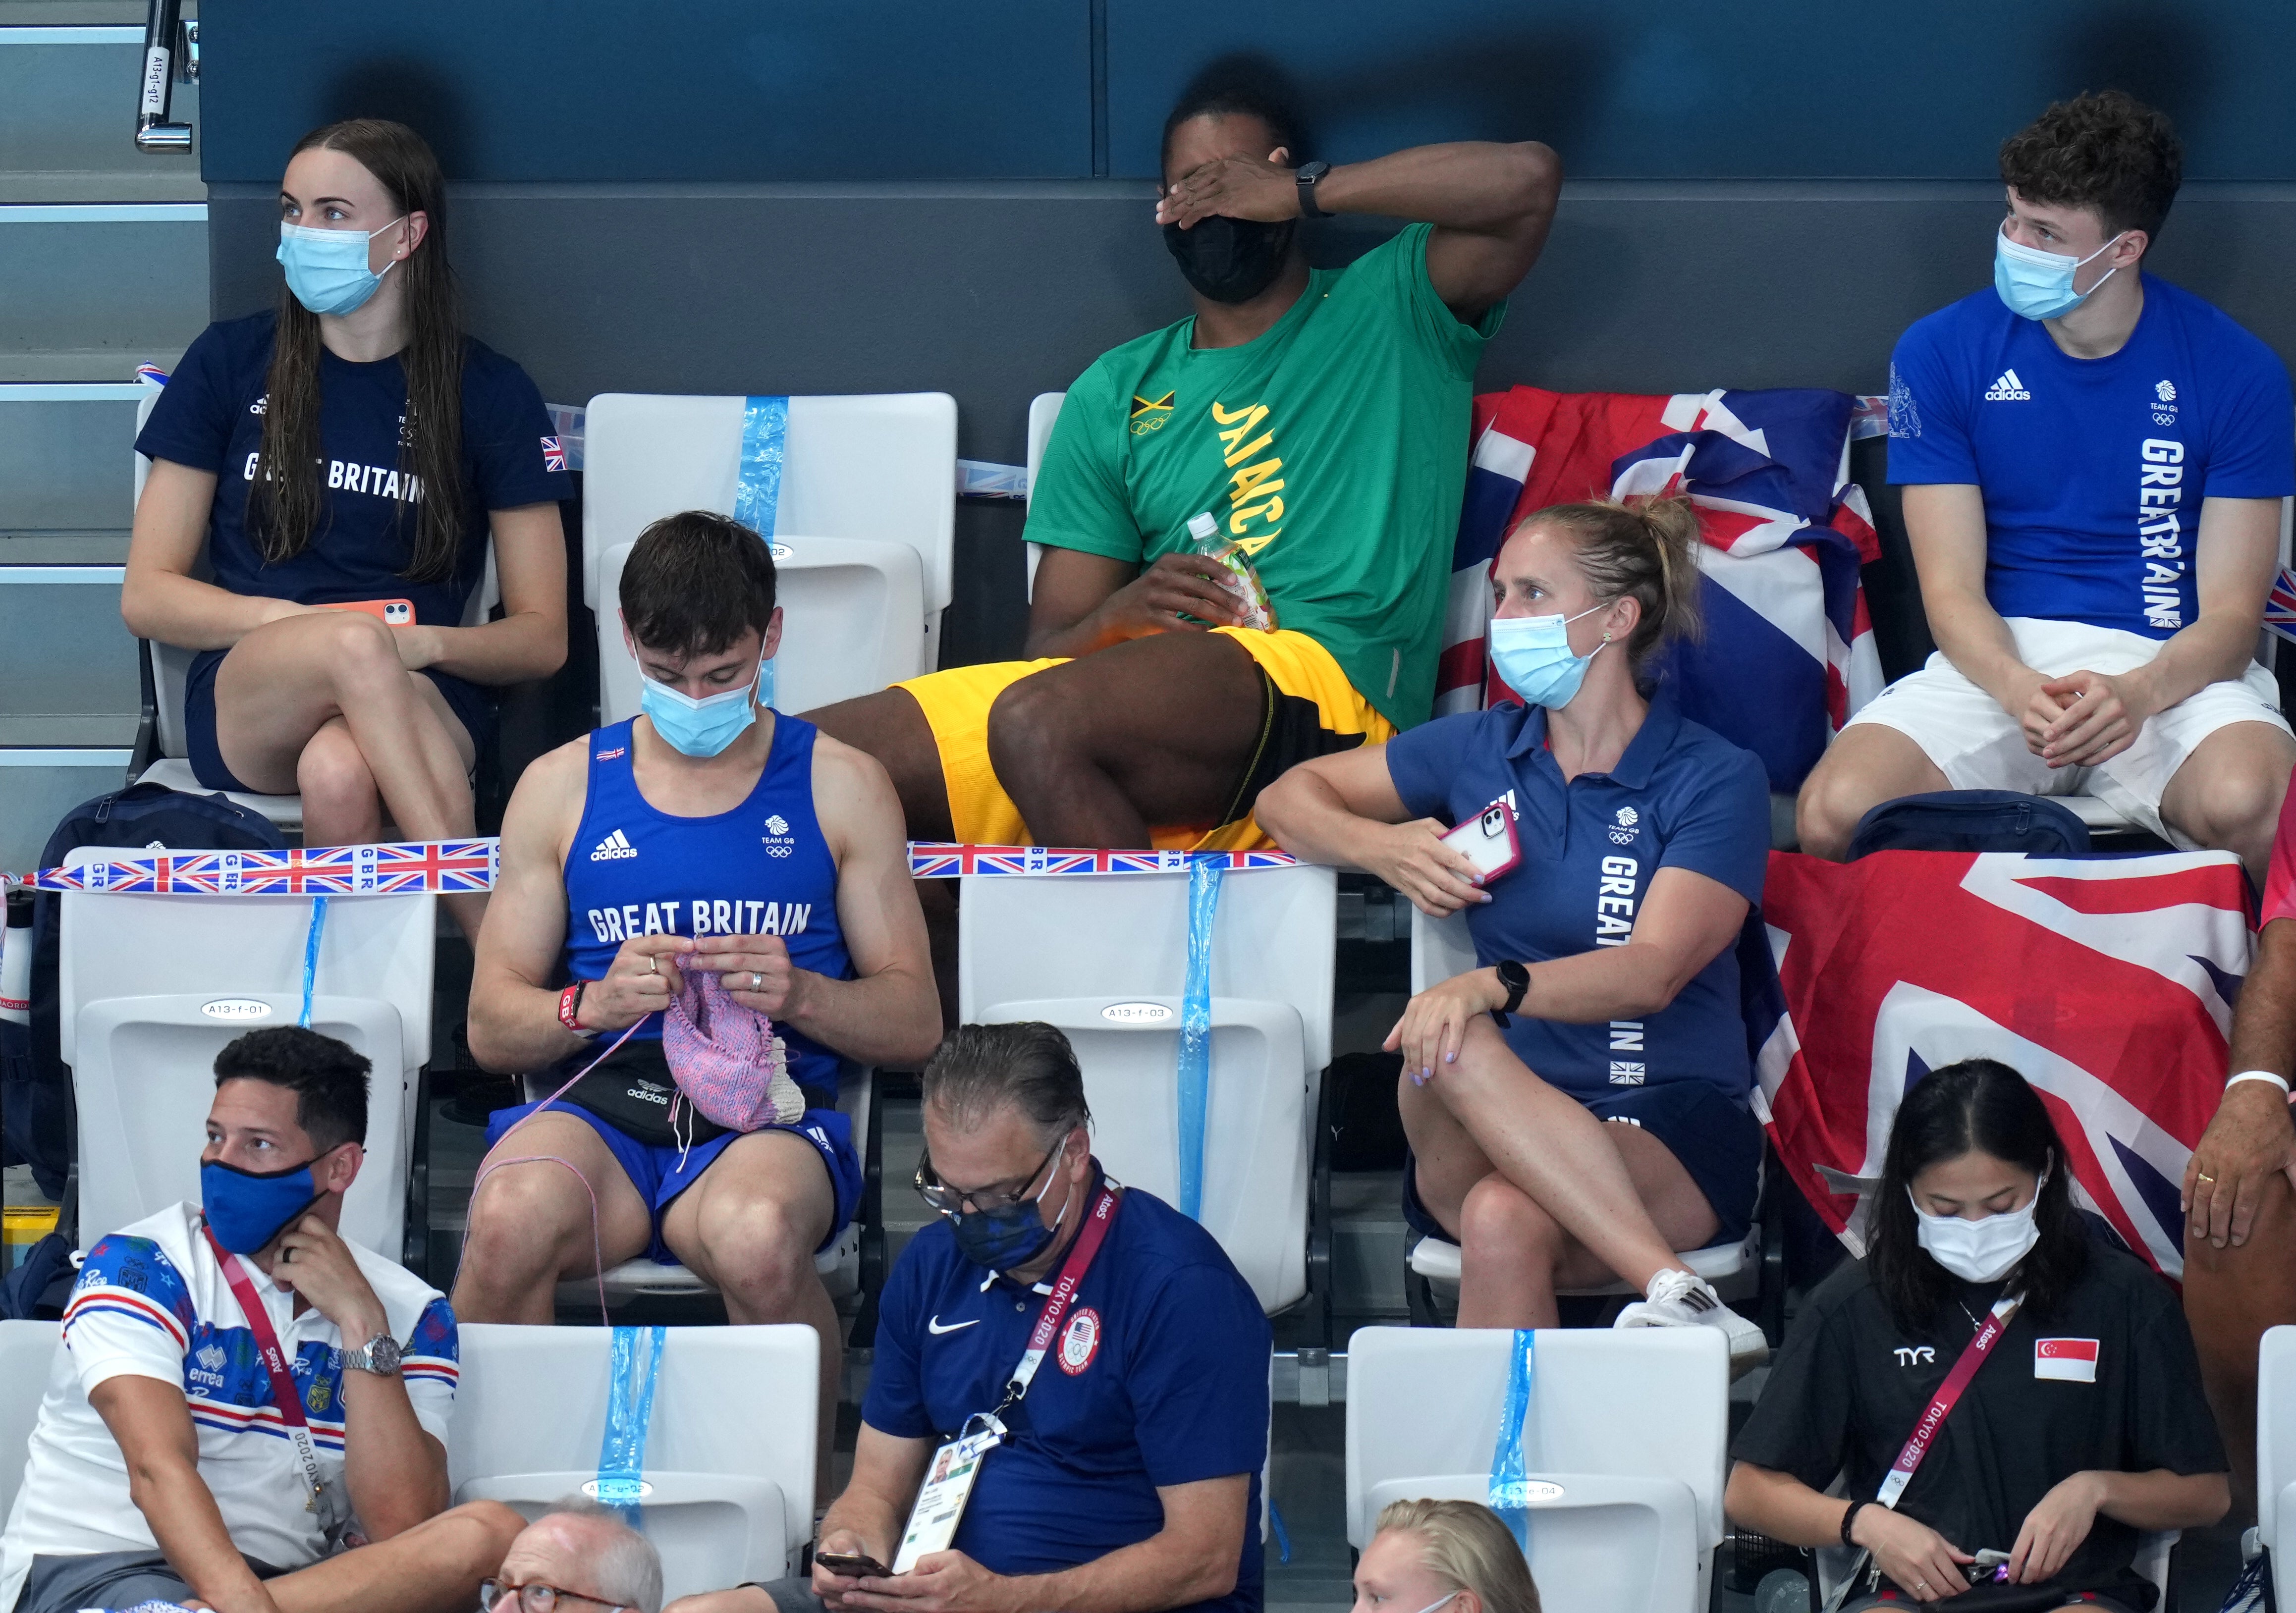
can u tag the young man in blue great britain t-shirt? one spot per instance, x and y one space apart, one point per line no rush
708 836
2094 461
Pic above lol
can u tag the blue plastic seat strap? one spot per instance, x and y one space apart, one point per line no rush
1204 878
757 495
620 1483
1510 1493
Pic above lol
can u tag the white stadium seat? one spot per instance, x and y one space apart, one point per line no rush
168 667
1044 409
1441 949
26 1351
1626 1431
864 538
2276 1457
151 988
839 1265
1106 960
729 1451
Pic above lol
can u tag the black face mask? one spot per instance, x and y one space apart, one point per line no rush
1230 260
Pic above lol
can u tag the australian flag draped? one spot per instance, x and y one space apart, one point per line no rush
1788 654
2107 983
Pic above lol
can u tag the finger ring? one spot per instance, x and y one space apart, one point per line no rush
757 981
653 964
2204 1176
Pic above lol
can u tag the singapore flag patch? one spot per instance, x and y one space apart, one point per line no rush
2066 1360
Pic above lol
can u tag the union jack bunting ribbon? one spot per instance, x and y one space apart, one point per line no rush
946 860
443 867
2280 606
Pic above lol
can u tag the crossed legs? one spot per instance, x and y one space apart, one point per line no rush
747 1227
320 704
1542 1195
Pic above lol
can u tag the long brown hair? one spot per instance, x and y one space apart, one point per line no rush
292 495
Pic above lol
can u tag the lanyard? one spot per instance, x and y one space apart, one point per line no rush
275 1361
1924 1433
1089 1237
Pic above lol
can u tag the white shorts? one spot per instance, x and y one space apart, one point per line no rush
1979 746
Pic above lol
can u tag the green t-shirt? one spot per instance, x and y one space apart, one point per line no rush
1332 447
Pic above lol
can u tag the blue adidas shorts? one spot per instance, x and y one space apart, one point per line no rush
661 1174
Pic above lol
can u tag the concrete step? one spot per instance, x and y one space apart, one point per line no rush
39 784
96 290
68 97
67 662
67 470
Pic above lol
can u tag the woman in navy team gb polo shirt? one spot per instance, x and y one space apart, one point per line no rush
1609 985
342 462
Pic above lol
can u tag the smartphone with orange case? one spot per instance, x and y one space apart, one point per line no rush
394 612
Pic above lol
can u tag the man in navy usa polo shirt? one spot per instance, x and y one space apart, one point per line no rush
1129 1481
2094 461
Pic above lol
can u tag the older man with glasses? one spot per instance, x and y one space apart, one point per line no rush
577 1557
1128 1476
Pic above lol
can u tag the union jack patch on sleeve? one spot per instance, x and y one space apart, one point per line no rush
554 455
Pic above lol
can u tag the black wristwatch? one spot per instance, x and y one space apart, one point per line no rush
1516 979
1308 174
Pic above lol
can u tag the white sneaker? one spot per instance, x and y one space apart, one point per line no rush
1680 1298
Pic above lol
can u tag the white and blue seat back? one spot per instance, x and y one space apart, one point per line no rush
1626 1438
1106 960
2276 1457
27 1350
1044 409
729 1447
864 528
151 988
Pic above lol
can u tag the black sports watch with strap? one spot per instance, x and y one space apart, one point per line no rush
1516 979
1307 174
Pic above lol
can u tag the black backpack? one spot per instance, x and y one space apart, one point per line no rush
35 1094
1971 820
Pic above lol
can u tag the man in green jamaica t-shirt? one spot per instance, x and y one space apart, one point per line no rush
1320 418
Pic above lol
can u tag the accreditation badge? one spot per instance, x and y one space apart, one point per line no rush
947 1487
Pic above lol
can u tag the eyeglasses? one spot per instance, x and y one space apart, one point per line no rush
533 1598
984 1201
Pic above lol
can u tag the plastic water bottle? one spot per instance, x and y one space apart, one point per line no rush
1242 580
1782 1591
16 959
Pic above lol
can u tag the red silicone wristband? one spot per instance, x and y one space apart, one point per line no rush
569 1001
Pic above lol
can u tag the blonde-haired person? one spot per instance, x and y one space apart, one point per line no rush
1578 1105
1451 1554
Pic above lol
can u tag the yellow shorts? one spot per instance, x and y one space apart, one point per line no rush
1311 709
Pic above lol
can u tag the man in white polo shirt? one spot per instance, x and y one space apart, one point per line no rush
241 1394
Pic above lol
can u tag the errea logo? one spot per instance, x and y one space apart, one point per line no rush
2008 388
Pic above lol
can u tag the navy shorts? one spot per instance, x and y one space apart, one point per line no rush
1717 1141
472 705
661 1173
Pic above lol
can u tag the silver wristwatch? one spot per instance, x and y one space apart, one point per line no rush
379 1356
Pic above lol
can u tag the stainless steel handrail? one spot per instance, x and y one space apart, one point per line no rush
171 54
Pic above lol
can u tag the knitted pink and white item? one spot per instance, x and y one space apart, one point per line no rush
727 1059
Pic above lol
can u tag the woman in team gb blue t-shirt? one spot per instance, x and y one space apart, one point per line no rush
352 449
1643 840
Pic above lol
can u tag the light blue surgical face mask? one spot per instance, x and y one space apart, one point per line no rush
1533 654
2038 284
705 725
326 269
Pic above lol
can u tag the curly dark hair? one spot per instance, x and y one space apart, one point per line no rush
2106 150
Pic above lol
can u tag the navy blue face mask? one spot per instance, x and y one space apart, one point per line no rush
1004 1239
247 1209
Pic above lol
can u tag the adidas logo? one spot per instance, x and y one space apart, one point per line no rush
2008 389
614 846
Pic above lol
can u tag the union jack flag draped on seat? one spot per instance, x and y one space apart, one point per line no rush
1788 653
2107 983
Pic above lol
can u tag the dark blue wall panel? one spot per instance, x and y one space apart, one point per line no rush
1685 89
691 90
